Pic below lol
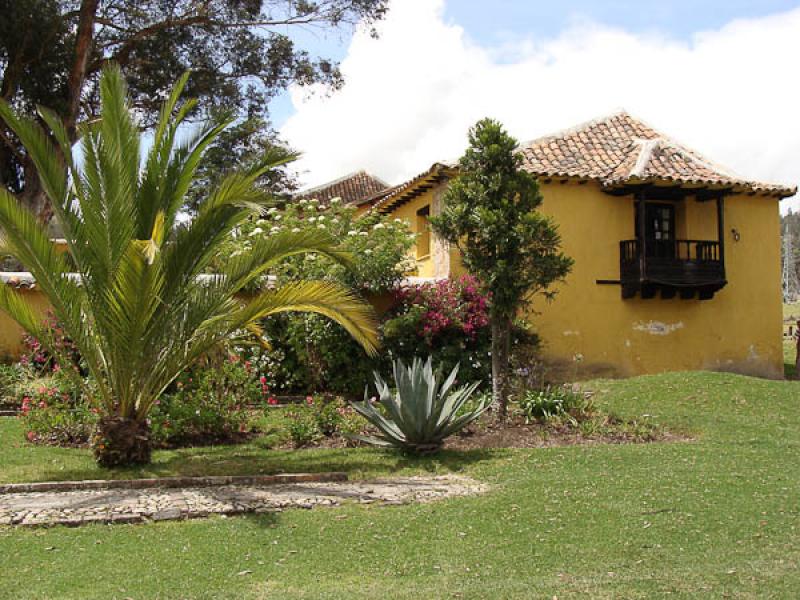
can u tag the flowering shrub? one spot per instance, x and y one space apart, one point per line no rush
209 402
379 245
309 352
39 359
54 412
448 320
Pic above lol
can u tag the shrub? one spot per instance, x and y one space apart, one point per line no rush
208 403
11 378
424 411
302 426
449 320
550 402
308 353
39 359
54 412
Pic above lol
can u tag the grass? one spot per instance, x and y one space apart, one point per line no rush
791 310
716 517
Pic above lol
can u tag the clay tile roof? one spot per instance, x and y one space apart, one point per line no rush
621 149
352 189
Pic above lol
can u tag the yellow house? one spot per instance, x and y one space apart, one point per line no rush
677 260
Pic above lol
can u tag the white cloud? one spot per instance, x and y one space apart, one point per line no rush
410 96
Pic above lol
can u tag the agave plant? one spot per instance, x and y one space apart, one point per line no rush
423 412
135 296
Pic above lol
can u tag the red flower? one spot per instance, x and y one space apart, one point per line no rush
31 436
272 400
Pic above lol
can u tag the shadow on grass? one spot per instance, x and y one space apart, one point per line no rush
251 459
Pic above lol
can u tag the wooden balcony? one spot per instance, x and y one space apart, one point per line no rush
689 268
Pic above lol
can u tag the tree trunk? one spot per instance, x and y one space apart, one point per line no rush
84 40
120 442
501 338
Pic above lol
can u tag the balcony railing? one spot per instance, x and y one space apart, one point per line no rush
671 265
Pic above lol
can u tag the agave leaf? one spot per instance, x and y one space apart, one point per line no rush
422 413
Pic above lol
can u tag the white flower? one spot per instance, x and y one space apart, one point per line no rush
336 200
312 219
295 229
378 226
256 231
302 202
275 230
235 253
398 220
321 217
314 201
277 217
271 210
320 226
367 251
351 232
364 233
261 222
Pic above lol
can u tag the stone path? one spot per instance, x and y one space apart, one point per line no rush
81 507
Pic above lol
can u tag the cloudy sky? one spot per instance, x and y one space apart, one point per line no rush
721 77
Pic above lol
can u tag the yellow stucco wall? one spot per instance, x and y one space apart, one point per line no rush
738 330
11 334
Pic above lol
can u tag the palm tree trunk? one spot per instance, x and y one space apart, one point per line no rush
121 441
500 349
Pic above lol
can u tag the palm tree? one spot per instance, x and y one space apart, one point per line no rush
138 306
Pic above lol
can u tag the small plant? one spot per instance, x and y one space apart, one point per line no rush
553 402
424 411
54 413
302 426
327 414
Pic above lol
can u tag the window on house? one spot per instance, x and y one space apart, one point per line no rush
423 231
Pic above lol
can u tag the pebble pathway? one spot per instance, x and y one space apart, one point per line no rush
82 507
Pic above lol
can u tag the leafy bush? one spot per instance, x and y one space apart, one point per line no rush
11 378
449 320
191 419
424 411
54 412
37 358
307 352
552 402
302 426
208 403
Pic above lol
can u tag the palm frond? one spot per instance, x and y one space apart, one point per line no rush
322 297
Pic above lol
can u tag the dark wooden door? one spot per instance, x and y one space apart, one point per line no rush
659 230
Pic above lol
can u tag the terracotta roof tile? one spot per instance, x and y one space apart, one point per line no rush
352 189
621 149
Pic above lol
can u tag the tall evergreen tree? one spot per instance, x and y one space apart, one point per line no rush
490 214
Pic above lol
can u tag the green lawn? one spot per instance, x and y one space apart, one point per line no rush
714 517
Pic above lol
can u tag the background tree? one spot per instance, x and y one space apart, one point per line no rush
139 308
240 52
490 215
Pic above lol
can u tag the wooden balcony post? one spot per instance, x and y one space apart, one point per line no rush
640 234
721 231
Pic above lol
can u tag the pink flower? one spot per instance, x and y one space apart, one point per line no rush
309 400
272 400
31 436
263 380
